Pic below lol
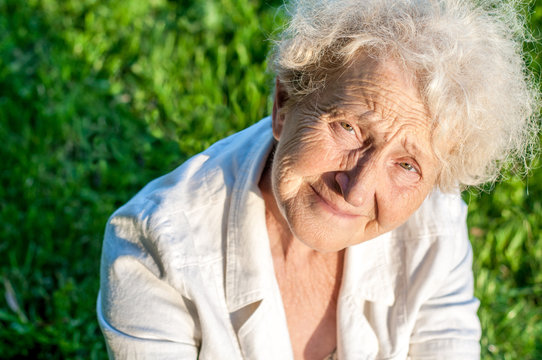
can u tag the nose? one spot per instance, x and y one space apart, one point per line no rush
358 184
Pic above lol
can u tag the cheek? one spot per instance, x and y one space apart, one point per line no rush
305 150
395 207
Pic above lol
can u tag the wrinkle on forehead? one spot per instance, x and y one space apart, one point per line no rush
384 87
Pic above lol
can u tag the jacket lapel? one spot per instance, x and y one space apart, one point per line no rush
251 290
371 299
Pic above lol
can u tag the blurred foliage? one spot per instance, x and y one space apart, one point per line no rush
96 99
99 97
505 231
504 224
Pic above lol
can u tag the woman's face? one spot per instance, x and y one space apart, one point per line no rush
354 161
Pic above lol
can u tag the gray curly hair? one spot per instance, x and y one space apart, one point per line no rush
466 57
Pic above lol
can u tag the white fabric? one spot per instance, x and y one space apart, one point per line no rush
187 270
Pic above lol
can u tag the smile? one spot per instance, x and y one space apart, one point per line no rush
333 208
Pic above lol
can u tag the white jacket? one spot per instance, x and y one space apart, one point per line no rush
187 271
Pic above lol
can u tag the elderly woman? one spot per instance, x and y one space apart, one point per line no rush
334 228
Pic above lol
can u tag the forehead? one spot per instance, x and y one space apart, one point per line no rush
380 88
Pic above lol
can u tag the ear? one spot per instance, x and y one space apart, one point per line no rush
278 115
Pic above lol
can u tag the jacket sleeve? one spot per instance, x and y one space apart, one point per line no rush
142 316
447 326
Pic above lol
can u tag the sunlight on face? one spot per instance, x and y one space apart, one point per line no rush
355 160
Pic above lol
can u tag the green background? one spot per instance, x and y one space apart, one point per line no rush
99 97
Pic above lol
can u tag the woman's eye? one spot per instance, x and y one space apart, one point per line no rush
347 126
407 166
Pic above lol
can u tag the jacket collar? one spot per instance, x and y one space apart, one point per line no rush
370 270
249 266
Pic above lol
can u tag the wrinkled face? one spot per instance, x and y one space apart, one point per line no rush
354 161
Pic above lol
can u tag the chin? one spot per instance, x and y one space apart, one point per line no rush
325 239
327 249
323 247
332 235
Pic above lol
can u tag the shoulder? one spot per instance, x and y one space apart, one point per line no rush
206 178
176 220
439 222
440 214
435 242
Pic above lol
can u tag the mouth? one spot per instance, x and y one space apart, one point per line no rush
331 207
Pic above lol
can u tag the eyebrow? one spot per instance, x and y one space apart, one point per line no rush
413 149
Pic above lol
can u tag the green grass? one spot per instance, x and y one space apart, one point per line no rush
505 232
99 97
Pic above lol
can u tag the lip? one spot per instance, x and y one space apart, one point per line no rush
333 208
